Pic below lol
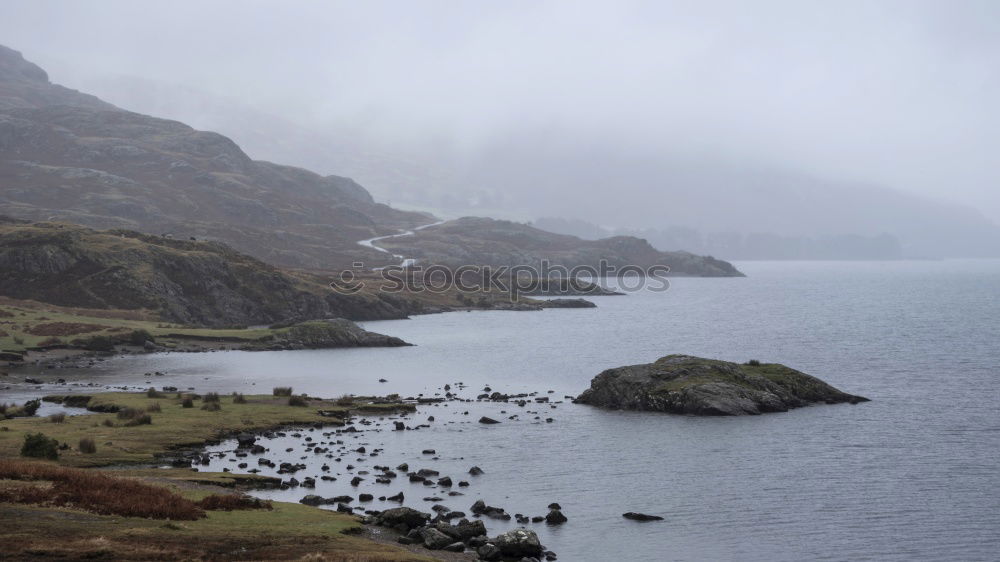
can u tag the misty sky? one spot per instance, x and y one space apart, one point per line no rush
898 93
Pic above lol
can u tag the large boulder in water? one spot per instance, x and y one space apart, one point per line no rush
682 384
411 518
518 543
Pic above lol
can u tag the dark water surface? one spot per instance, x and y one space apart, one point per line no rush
911 475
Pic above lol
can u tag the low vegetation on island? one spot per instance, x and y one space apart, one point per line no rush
682 384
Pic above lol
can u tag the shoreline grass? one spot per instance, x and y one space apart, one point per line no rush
105 512
128 430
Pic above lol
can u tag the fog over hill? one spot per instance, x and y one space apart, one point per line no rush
700 203
774 126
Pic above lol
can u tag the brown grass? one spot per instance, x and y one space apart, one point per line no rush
63 329
94 492
231 502
130 413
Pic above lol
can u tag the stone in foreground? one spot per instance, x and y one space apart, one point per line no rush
682 384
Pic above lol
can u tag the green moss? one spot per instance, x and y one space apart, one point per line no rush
696 371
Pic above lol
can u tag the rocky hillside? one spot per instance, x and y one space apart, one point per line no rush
483 241
189 282
681 384
69 156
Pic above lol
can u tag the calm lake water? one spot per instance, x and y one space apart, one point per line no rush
911 475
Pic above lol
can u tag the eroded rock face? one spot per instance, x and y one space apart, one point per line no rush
682 384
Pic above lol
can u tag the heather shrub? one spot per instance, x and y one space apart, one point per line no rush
27 410
154 407
57 417
95 492
37 445
211 397
238 398
187 403
140 337
230 502
282 391
297 401
97 343
87 446
142 419
211 406
129 413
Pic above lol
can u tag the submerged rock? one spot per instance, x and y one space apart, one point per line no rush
555 517
641 516
682 384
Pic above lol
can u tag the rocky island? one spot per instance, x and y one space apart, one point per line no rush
682 384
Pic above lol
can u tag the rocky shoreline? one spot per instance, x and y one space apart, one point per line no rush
441 530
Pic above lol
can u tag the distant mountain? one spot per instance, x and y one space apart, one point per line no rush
69 156
552 172
737 246
483 241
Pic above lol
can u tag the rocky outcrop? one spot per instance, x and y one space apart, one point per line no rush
518 543
682 384
338 332
641 516
71 157
498 243
567 303
183 281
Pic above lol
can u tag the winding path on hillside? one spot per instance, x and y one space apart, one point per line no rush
405 261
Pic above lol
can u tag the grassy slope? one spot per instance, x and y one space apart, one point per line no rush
173 427
19 318
288 531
